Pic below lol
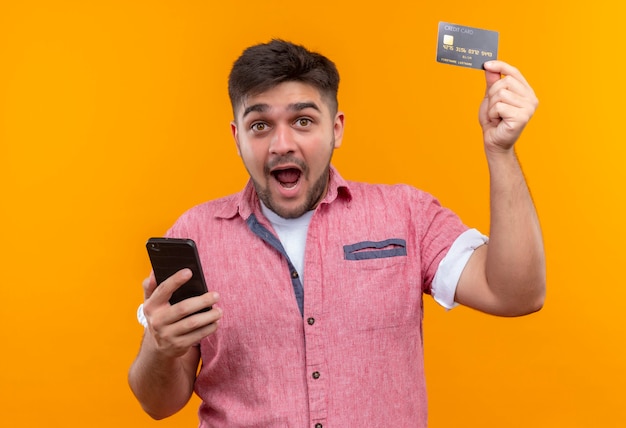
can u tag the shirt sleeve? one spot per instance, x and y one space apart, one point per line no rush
451 266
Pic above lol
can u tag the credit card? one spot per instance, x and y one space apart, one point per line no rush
466 46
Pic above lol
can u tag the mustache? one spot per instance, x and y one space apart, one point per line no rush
285 160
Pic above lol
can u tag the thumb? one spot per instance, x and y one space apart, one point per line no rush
491 77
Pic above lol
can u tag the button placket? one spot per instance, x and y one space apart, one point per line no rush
315 343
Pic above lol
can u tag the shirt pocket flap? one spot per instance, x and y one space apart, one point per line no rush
367 250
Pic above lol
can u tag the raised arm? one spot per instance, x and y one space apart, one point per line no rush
507 276
162 376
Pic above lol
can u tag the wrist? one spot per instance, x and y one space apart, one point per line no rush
495 154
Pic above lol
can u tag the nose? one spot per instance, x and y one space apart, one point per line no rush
282 141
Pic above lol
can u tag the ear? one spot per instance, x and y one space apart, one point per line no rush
338 129
233 130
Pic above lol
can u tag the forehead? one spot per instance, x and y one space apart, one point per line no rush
283 97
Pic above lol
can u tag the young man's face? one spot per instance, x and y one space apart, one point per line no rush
285 137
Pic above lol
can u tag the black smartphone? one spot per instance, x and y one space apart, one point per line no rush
168 256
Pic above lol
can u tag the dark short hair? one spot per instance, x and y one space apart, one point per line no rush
263 66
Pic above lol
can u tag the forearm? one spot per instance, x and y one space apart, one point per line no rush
515 265
163 385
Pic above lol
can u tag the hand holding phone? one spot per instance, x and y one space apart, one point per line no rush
170 255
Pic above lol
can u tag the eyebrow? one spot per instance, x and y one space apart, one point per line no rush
256 107
303 106
260 108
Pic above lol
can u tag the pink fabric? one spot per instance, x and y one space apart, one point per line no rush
355 358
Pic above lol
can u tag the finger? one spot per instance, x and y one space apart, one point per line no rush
164 291
193 305
176 339
190 338
149 284
509 83
197 321
505 69
511 98
512 94
512 118
193 328
500 111
196 336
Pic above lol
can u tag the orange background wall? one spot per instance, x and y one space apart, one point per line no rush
114 118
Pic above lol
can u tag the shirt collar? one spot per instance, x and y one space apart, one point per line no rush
246 202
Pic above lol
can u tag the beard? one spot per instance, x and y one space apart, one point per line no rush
313 196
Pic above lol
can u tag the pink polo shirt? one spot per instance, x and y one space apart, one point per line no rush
345 350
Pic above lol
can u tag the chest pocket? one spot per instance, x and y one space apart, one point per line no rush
379 273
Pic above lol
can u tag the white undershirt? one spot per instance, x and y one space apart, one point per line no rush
292 234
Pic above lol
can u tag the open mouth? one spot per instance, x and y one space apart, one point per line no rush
288 177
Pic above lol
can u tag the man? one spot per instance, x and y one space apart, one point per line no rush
320 280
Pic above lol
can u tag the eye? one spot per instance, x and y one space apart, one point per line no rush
303 122
259 126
